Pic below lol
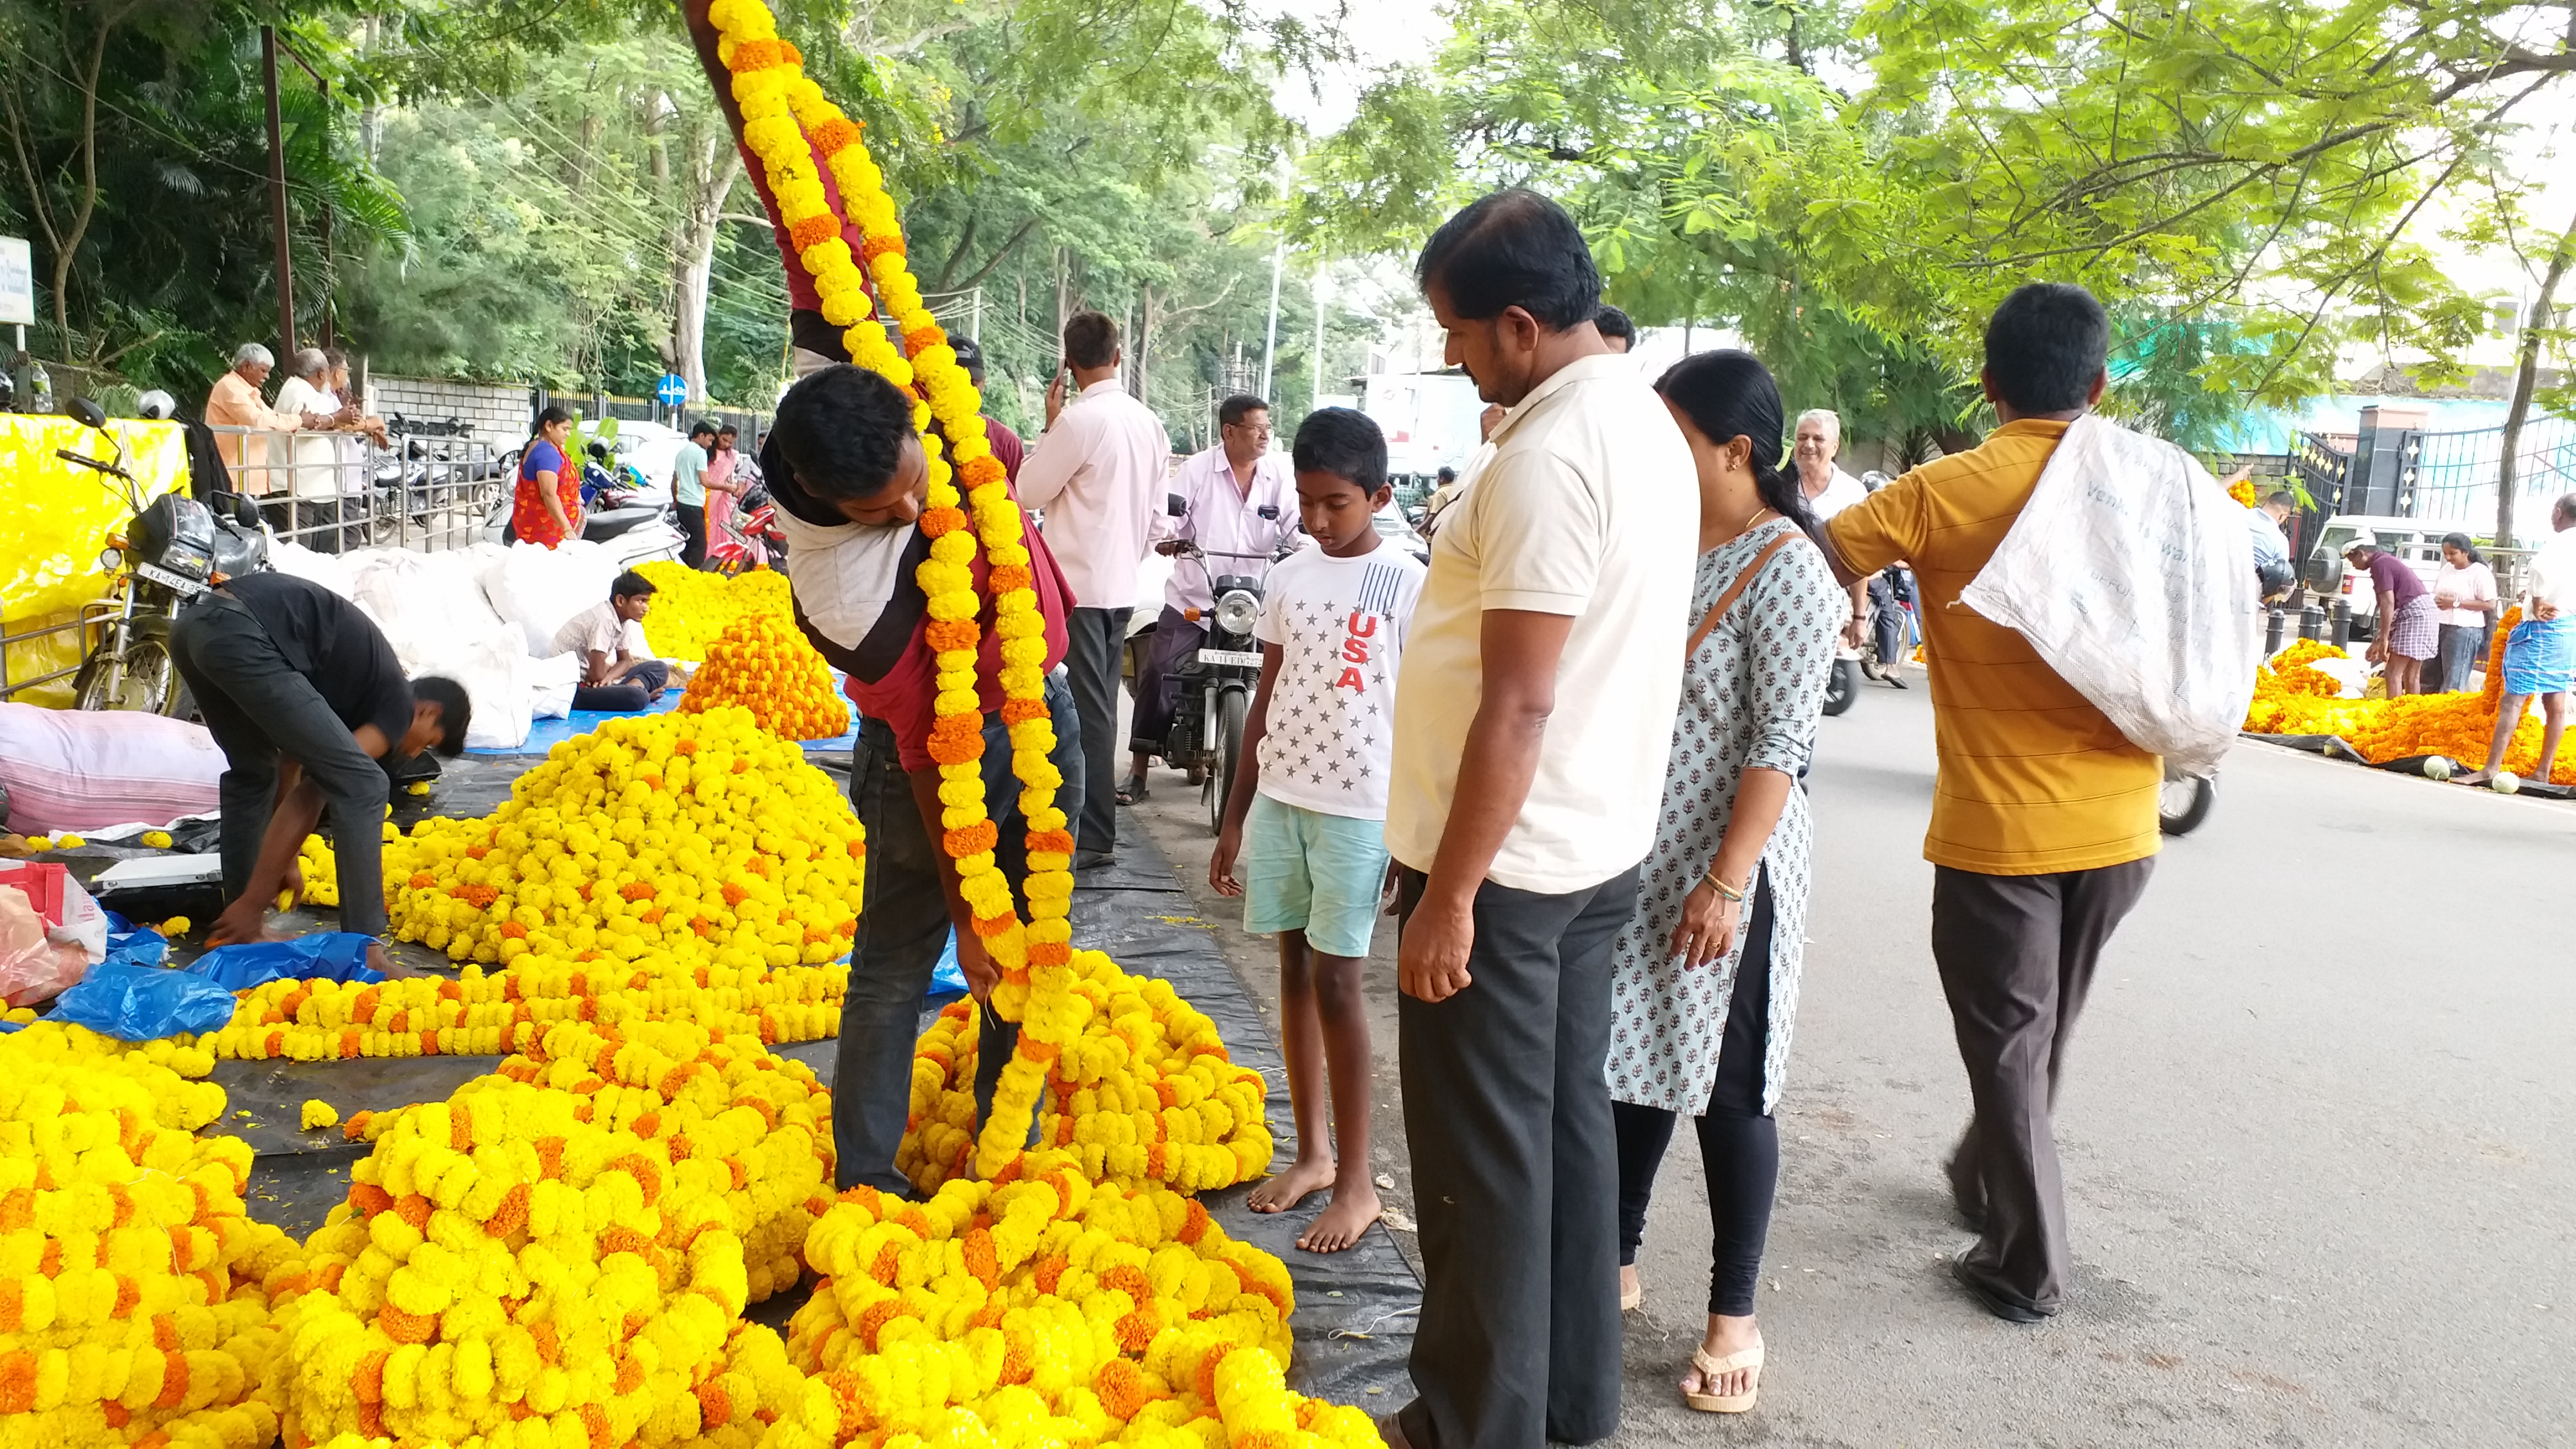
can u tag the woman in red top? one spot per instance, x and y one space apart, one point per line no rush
548 507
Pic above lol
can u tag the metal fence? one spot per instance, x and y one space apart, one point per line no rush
429 487
2453 475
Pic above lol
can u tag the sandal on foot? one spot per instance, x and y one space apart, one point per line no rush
1132 789
1712 1369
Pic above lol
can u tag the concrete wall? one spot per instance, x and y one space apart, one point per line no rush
499 413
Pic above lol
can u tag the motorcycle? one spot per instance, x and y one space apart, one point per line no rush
750 538
2184 801
1217 682
174 549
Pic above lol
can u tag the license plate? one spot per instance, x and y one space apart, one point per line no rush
1241 659
169 580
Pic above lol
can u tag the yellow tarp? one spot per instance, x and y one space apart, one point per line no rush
54 516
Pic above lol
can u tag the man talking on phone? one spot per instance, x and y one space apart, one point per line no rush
1098 473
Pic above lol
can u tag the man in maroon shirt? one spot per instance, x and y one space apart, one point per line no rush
2408 631
851 480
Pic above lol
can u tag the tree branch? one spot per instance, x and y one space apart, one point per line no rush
1008 247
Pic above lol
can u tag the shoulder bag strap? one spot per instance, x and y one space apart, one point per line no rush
1727 600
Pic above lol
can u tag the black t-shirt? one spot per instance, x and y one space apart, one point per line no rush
330 642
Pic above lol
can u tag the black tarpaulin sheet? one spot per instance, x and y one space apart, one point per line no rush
1355 1309
2336 747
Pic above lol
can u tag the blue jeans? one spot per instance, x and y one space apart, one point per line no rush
903 924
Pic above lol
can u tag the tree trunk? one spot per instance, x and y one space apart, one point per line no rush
1145 344
2526 378
711 178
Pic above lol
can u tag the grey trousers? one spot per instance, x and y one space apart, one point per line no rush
259 707
2016 955
1516 1175
1095 640
903 924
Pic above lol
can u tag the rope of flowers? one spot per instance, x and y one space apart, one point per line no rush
786 120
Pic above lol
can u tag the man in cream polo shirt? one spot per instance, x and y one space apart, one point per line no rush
1532 723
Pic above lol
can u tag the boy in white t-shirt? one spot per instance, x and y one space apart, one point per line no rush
1308 807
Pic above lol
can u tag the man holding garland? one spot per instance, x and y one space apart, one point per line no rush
851 481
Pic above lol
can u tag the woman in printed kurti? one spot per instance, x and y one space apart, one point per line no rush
1707 972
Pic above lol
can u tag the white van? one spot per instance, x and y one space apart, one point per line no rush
2416 541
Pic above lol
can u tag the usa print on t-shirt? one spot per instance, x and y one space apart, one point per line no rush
1339 624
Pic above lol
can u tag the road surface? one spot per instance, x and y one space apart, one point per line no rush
2318 1132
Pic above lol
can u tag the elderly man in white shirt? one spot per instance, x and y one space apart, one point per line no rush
314 482
1238 501
1098 473
1829 491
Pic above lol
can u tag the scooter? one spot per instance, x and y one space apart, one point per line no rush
750 538
2184 801
175 549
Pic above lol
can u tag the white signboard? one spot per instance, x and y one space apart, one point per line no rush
17 282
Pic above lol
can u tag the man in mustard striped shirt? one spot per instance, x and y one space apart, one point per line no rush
2043 816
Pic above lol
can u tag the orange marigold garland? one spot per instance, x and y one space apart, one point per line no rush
786 120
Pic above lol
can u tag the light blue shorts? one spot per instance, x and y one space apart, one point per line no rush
1304 870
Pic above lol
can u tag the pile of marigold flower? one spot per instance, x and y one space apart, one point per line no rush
692 609
1142 1092
2456 726
764 665
1052 1309
2294 669
561 1253
134 1298
674 840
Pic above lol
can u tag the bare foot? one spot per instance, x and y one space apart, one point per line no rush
1289 1188
2474 777
1632 1289
1354 1208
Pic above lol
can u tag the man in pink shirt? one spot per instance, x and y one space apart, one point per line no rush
1238 500
1098 473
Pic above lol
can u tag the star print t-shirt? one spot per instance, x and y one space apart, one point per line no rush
1339 624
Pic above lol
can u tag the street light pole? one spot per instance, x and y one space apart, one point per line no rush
1270 348
277 198
1319 336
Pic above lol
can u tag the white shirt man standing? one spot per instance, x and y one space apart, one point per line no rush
1098 473
1533 722
314 481
1829 491
1238 500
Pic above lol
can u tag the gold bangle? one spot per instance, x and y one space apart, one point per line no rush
1722 888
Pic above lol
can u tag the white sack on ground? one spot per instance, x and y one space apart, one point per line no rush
80 769
540 589
552 682
2129 572
328 570
435 614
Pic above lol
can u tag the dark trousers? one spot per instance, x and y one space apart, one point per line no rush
903 924
693 525
316 523
1095 639
2462 650
2016 955
259 707
1887 616
1739 1145
1158 684
1515 1171
643 685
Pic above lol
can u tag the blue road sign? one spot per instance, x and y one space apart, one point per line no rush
673 390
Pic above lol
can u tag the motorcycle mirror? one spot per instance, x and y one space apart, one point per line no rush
87 412
1269 512
1175 505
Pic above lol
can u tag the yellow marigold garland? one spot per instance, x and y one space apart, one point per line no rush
786 119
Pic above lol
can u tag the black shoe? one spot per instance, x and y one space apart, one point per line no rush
1995 1303
1093 859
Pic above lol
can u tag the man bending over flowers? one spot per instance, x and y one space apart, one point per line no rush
850 480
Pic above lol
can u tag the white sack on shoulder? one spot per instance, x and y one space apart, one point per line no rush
2129 573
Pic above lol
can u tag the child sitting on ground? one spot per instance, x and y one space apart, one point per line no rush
1307 812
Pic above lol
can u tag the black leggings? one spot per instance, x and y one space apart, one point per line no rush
1738 1144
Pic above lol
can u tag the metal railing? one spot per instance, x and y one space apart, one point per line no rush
430 487
2453 475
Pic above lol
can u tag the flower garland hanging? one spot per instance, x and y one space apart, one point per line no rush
786 120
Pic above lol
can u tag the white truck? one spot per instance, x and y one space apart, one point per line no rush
1429 418
2417 543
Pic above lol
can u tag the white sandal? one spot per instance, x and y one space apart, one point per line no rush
1710 1370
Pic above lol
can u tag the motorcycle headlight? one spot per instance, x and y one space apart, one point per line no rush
1237 612
110 560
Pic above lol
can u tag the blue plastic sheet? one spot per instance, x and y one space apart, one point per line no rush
340 955
141 1003
946 976
135 945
